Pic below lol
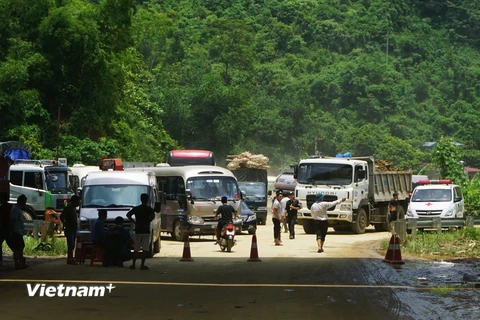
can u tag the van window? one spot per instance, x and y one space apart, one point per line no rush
458 193
171 186
16 177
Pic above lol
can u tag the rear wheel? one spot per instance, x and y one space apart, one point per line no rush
361 224
177 233
308 226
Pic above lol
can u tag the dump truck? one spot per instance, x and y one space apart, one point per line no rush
367 184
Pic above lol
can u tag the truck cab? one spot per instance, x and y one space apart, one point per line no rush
436 198
45 183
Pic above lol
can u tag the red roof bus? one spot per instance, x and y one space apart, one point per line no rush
178 158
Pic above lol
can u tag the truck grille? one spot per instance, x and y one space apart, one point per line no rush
327 198
429 212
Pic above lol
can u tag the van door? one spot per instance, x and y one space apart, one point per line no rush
175 203
459 204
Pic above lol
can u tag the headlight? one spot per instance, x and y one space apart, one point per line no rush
449 212
409 212
251 218
262 208
237 220
346 207
84 223
195 219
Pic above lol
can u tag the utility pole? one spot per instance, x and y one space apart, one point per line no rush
58 130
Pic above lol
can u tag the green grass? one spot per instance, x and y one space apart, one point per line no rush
464 243
51 248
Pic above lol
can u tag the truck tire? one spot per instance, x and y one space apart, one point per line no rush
360 225
28 217
308 227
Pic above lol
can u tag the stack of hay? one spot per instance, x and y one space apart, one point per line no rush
385 166
247 160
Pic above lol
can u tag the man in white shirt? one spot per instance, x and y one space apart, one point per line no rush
320 218
276 218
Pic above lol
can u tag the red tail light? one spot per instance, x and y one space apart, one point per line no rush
230 227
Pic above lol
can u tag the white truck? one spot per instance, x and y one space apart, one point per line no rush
367 189
46 183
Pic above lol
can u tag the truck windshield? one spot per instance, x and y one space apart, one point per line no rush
112 196
253 189
325 173
58 181
213 188
432 195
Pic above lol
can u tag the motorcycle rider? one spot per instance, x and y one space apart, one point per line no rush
228 213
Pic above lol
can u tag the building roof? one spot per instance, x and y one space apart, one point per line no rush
470 169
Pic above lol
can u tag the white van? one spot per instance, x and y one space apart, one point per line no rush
436 198
118 192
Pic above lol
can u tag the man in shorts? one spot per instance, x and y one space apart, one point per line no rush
320 218
392 210
144 215
17 231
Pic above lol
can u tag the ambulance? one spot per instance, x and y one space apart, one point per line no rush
436 198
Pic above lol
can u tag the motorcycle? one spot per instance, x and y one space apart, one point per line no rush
227 237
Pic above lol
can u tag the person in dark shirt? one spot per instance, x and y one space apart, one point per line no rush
228 213
98 232
292 208
392 208
144 215
69 219
5 209
117 244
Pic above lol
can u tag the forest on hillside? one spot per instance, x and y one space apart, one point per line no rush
285 78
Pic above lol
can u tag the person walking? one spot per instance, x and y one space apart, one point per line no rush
5 209
144 215
17 230
292 209
277 218
320 218
69 218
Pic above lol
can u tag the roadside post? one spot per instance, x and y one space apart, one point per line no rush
470 222
412 225
401 229
437 223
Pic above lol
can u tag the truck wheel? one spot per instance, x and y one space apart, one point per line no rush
28 217
361 224
177 233
308 227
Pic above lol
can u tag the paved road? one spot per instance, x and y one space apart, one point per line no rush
348 281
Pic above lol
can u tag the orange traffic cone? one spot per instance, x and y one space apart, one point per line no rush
254 250
186 249
394 254
79 252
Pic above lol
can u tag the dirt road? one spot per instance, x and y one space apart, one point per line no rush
347 281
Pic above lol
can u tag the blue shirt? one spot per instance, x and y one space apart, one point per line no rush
98 232
118 238
17 216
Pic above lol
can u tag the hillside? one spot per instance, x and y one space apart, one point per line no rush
283 78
